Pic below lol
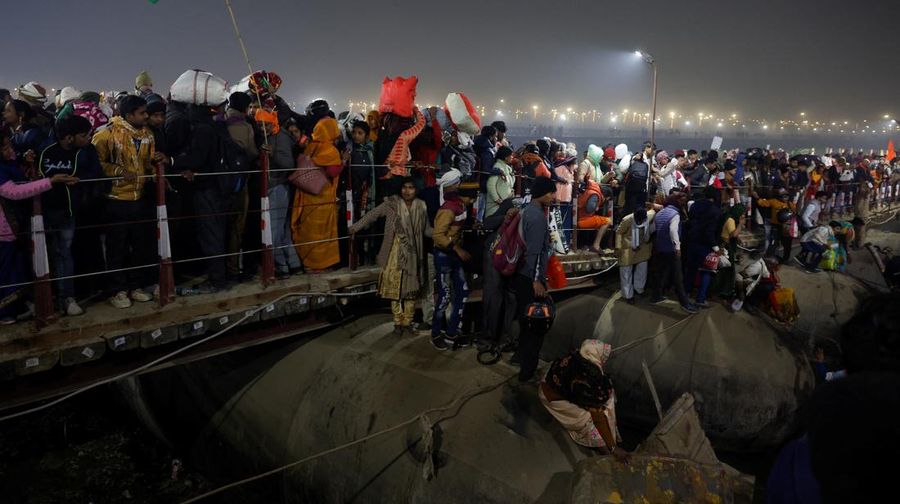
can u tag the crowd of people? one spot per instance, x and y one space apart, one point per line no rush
435 207
433 198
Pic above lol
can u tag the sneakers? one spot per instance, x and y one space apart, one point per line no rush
398 330
408 332
459 341
813 270
701 305
658 300
440 342
629 300
140 296
7 321
71 308
690 308
120 300
736 305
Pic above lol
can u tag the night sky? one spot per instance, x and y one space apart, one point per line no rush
765 58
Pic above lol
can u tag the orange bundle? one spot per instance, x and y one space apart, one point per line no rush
556 276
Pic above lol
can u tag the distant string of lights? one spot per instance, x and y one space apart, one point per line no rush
673 120
627 117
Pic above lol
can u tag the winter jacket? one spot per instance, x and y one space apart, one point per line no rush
636 178
533 166
449 222
499 187
461 158
242 133
486 151
536 234
362 161
122 149
201 155
178 128
668 230
625 252
24 140
82 163
282 158
564 186
703 223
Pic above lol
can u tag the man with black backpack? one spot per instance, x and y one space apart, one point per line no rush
211 150
637 179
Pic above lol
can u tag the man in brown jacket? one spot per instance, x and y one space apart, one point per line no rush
633 248
242 133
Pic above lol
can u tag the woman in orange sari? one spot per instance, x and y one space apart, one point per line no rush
314 217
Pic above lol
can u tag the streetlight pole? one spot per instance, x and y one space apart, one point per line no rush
652 62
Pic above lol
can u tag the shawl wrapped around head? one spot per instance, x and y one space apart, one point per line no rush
321 149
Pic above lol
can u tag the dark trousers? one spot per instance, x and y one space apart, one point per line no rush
252 238
668 272
633 200
210 205
529 342
498 300
130 242
811 254
451 291
61 231
779 237
696 253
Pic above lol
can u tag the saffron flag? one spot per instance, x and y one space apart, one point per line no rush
890 153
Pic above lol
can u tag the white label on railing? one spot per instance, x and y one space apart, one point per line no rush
270 308
265 221
156 334
198 325
32 362
164 247
223 320
321 299
304 300
39 260
87 352
248 313
119 341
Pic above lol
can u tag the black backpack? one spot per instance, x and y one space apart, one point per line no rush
233 159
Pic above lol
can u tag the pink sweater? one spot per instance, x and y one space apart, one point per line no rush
564 191
13 191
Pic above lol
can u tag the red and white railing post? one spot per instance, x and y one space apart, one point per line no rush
44 314
267 259
163 242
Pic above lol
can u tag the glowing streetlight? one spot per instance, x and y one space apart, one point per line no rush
534 110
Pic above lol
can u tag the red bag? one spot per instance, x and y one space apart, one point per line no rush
711 261
556 275
398 96
308 177
508 249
